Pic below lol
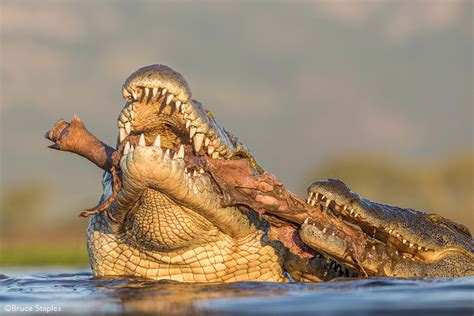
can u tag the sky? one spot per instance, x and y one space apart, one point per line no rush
299 82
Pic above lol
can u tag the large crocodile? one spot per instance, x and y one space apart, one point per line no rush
168 222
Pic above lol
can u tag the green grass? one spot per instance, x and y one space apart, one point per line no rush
43 255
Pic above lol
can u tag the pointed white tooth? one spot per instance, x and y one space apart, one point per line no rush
410 245
398 235
146 93
178 105
373 247
157 142
201 171
122 134
306 221
141 141
169 98
404 241
210 150
175 156
181 152
167 154
308 200
134 94
206 142
419 248
126 149
192 131
352 211
328 202
390 231
163 92
356 214
132 114
344 208
128 127
132 148
195 173
333 234
154 91
324 230
183 108
188 123
198 139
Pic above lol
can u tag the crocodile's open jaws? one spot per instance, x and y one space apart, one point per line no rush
168 221
402 242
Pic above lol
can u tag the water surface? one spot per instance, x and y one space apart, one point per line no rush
75 291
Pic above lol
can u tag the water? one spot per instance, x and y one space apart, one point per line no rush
75 291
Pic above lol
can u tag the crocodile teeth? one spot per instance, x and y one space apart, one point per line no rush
169 98
146 94
352 211
404 241
126 149
122 134
181 152
188 123
310 197
128 127
134 94
324 230
201 171
163 92
178 105
157 142
198 139
154 91
132 148
141 141
167 154
206 142
327 203
210 149
192 131
306 221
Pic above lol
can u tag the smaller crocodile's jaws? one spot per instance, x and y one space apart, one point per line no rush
404 242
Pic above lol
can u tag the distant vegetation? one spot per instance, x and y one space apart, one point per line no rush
445 187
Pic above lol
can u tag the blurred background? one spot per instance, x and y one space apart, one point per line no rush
376 93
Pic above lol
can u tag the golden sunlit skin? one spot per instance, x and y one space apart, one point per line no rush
167 221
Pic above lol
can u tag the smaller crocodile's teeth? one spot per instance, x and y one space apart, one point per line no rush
146 94
206 142
192 131
154 91
198 139
157 142
195 173
398 235
141 141
410 245
390 231
126 149
306 221
352 211
201 171
128 127
356 214
419 248
210 149
122 134
188 123
333 234
132 148
167 154
404 241
310 197
181 152
327 203
373 247
163 92
344 208
134 94
169 98
175 156
324 230
178 105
